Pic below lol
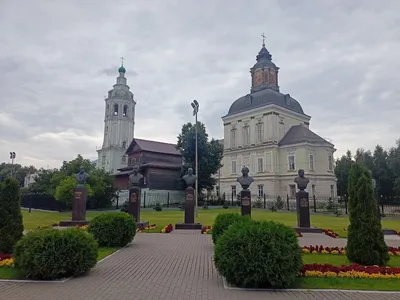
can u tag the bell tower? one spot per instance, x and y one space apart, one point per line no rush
264 74
119 125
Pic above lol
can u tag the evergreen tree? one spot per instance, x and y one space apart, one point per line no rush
11 226
365 244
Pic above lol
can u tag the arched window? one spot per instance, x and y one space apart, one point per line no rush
115 109
125 113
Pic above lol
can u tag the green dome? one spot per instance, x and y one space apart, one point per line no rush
121 69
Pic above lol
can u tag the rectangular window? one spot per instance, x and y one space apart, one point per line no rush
246 135
332 191
260 188
291 163
234 167
233 187
260 164
233 138
330 163
292 191
311 157
259 132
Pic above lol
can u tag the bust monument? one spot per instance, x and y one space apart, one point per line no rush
301 180
189 178
81 177
135 178
245 180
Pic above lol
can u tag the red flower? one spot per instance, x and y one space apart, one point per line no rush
353 267
5 256
330 233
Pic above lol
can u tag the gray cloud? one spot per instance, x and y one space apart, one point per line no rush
59 59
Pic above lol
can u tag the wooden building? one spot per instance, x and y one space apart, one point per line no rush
159 163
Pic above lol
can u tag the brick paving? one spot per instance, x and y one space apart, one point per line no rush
163 266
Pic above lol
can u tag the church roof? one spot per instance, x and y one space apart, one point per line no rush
301 134
153 146
263 98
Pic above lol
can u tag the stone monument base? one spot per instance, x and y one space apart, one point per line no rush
387 231
308 229
142 224
188 226
70 223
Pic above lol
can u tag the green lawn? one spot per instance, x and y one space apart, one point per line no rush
206 217
339 260
348 283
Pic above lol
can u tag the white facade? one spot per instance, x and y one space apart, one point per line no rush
268 132
119 125
30 178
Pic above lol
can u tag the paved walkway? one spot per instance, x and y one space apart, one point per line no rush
161 266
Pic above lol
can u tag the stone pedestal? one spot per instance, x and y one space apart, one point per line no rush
78 208
303 209
134 207
189 211
245 207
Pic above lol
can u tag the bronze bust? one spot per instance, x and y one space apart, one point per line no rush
301 180
135 178
245 180
189 178
81 177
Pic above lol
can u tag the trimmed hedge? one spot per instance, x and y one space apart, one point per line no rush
223 221
53 254
115 229
11 226
258 254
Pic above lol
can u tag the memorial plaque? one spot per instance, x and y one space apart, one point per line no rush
78 208
189 205
189 197
304 202
245 201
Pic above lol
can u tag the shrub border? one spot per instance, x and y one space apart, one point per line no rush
227 286
64 280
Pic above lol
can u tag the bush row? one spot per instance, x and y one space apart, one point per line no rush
53 254
256 254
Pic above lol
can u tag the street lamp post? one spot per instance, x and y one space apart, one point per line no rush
12 157
195 106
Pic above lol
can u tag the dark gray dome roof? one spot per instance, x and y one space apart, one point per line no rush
263 98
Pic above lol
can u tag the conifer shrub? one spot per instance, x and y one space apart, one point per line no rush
53 254
115 229
223 221
11 226
365 242
258 254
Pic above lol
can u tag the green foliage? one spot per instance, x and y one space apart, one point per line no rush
258 203
115 229
223 221
16 171
65 191
11 226
225 205
272 207
209 154
124 206
330 204
365 244
258 254
52 254
279 203
157 207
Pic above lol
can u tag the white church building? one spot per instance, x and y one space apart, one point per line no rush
119 125
268 132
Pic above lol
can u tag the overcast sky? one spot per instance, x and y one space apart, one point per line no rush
58 59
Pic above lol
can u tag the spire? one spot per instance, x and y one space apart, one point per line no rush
122 69
264 53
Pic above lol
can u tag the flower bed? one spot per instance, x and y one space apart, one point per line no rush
340 250
299 234
351 271
6 260
167 229
206 230
330 233
152 226
82 227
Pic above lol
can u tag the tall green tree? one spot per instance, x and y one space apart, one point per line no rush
342 171
11 226
365 243
65 191
209 154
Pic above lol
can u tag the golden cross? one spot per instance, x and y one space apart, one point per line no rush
122 60
263 37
